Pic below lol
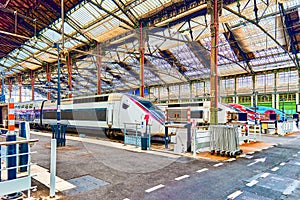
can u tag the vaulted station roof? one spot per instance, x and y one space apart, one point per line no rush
253 37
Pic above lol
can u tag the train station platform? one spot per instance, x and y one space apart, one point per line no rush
92 167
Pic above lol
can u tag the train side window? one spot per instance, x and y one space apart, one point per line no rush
198 114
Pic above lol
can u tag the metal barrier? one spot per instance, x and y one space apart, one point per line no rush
224 140
134 133
253 133
60 137
10 188
201 141
285 127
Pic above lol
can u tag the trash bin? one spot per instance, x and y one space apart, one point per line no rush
60 137
144 142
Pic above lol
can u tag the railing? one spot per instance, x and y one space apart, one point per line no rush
133 133
15 175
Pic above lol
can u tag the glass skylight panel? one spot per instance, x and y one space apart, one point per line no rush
69 44
109 5
41 45
141 9
10 63
52 35
97 30
82 38
82 16
23 54
92 9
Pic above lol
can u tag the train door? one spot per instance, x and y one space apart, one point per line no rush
109 114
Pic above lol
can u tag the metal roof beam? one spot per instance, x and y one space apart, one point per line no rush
77 28
127 12
111 14
236 48
173 61
263 30
289 31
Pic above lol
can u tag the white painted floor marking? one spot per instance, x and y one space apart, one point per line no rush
282 164
219 164
275 169
258 150
251 152
231 159
295 155
181 177
264 175
154 188
202 170
248 157
126 199
257 161
299 152
252 183
235 194
297 163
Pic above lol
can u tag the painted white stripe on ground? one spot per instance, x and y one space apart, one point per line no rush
264 175
202 170
219 164
250 153
297 163
181 177
275 169
295 155
299 152
126 199
154 188
248 157
282 164
258 150
235 194
231 159
252 183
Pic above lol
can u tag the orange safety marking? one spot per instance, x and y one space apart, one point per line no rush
11 117
11 127
11 105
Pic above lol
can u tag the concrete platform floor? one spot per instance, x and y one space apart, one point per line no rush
124 168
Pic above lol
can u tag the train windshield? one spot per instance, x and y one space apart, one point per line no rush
153 109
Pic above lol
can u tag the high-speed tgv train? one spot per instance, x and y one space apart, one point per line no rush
108 112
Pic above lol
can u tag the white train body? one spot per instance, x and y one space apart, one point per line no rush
109 112
199 112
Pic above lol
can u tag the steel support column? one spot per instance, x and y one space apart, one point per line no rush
298 86
32 84
99 63
48 71
70 76
20 87
274 101
235 90
142 60
9 87
214 26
